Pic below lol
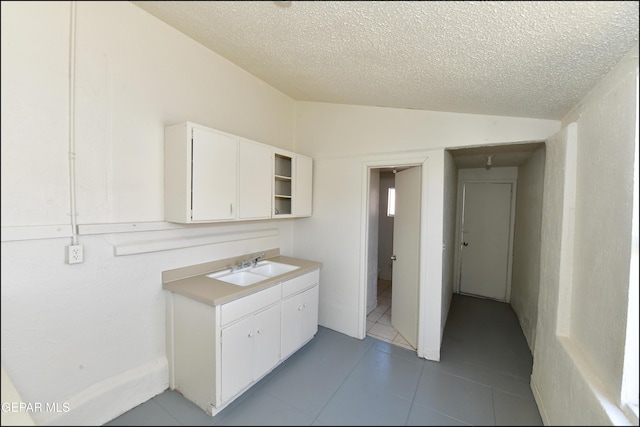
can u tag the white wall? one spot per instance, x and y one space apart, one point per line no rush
93 334
334 131
35 113
526 244
586 245
342 138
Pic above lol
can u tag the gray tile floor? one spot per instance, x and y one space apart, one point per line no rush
482 379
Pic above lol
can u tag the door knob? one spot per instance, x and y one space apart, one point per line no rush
465 244
393 258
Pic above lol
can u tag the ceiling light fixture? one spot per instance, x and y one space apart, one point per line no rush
489 161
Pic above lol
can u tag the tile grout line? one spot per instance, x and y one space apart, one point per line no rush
342 383
413 398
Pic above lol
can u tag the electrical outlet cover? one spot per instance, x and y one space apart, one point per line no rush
75 254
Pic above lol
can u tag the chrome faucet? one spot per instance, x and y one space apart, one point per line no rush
251 262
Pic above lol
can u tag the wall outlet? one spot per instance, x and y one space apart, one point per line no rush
74 254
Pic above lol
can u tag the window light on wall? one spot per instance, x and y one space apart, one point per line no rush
391 202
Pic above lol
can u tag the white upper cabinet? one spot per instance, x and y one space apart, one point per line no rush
215 176
214 172
254 180
292 184
200 174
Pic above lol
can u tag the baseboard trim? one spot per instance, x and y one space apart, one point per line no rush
108 399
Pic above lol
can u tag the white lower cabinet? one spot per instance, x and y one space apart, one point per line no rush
217 352
299 320
250 348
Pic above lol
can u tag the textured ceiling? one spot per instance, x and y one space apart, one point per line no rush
511 58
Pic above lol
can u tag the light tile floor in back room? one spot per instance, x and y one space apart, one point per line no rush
379 320
482 378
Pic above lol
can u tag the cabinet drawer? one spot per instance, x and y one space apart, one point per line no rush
241 307
300 283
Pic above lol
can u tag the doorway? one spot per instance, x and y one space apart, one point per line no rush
392 308
523 166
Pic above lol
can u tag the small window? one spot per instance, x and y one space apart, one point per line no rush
391 202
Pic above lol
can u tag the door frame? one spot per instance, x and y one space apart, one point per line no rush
391 161
459 219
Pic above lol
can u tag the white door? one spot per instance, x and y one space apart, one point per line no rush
406 254
484 250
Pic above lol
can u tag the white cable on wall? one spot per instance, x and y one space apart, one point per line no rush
72 153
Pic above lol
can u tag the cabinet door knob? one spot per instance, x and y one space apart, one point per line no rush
393 258
300 308
305 305
250 334
259 331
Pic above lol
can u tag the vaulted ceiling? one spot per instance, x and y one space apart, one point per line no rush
520 58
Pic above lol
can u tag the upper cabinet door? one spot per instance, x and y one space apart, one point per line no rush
255 180
303 182
214 176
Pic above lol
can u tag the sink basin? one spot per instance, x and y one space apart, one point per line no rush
240 278
262 271
271 269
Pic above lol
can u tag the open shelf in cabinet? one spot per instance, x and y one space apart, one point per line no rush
282 185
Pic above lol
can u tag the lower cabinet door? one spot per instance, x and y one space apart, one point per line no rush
291 325
237 357
299 320
250 348
266 344
309 314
